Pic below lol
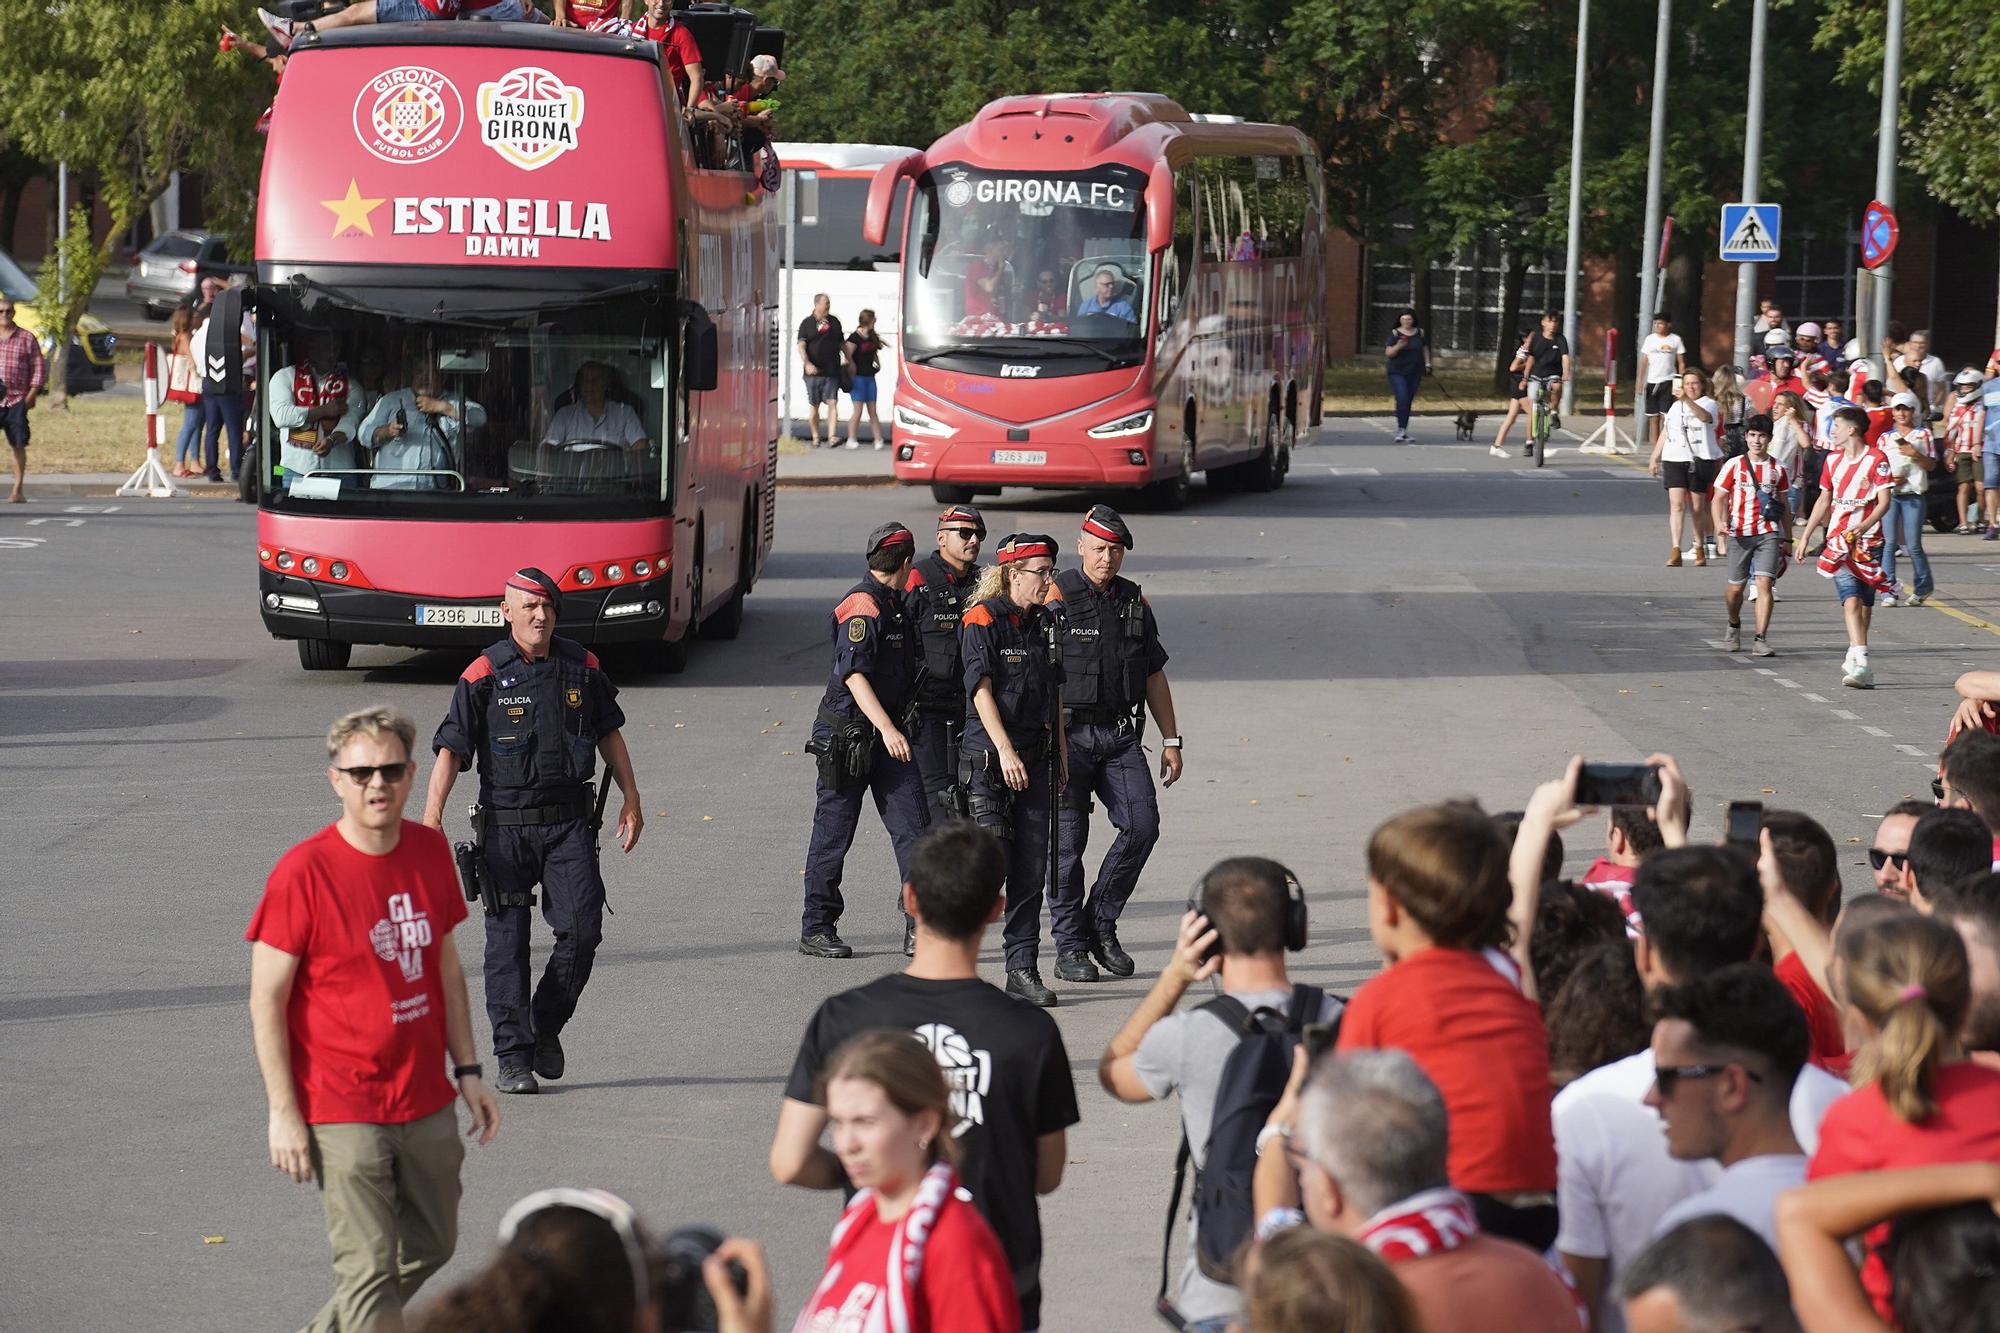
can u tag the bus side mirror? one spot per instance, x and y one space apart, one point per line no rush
701 361
1160 208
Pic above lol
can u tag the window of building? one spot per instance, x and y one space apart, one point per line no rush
1466 295
1815 278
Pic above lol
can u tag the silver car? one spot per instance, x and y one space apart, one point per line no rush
169 271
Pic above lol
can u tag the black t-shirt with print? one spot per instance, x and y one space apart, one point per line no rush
866 349
1010 1079
1545 355
822 344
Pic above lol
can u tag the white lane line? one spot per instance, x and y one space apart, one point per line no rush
1379 425
1816 698
1355 471
1539 472
1765 671
1913 751
1788 684
1846 716
1876 731
1440 471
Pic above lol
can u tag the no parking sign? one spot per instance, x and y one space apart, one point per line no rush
1879 234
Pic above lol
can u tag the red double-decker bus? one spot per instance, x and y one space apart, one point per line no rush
1101 290
572 323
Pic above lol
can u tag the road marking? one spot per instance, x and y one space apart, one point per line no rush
1788 684
1538 472
1846 716
1765 671
1876 731
1961 616
1913 751
1442 471
1817 698
1355 471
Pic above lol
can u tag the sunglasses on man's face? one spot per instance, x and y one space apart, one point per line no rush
363 774
1877 858
965 534
1668 1076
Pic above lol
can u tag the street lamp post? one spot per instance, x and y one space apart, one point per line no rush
1572 253
1885 161
1649 262
1753 160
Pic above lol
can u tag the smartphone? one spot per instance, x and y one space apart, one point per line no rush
1745 824
1165 1309
1317 1038
1619 784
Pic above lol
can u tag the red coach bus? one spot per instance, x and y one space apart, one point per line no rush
1101 290
573 323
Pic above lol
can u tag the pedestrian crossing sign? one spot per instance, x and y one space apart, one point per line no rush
1750 233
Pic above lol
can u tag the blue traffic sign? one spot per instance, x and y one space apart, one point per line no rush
1750 233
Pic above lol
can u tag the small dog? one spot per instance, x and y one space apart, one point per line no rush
1466 423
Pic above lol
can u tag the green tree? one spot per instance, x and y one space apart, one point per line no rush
127 99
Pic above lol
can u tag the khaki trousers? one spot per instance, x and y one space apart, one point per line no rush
391 1198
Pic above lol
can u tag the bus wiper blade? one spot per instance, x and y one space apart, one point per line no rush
1079 344
948 349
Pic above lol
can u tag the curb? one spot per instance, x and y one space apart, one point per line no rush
831 483
98 490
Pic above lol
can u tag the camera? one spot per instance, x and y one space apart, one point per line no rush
679 1291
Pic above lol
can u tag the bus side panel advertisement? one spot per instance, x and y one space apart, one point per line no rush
467 156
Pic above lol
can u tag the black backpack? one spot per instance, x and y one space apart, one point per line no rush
1253 1079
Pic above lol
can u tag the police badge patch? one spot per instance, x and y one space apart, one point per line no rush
574 698
857 629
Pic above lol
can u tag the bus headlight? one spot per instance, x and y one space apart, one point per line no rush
1137 424
908 418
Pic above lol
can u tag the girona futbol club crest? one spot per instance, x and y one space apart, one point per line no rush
408 114
529 116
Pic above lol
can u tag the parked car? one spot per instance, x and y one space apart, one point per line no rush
168 272
91 351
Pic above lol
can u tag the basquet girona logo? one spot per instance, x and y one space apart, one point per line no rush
529 116
408 114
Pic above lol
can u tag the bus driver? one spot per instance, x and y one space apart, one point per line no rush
592 414
1104 298
417 430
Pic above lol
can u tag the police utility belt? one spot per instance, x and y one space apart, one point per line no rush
847 755
1123 720
478 881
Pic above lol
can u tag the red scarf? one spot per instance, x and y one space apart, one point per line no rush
891 1306
1434 1222
310 392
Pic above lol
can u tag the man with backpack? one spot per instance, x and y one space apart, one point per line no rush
1229 1059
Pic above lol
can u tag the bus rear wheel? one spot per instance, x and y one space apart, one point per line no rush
324 654
946 494
1173 492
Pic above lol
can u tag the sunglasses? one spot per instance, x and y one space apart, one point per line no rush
1667 1076
1041 573
1877 858
965 534
1937 789
363 774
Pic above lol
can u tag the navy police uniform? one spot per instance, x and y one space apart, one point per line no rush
534 727
1110 648
1009 646
936 597
872 637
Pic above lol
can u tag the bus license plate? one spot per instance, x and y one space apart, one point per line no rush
459 615
1020 457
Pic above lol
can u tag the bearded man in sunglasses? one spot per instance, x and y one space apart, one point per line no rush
356 999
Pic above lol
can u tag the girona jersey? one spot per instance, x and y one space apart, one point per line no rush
1742 481
1965 427
1853 483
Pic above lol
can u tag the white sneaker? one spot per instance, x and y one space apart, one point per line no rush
1751 595
279 28
1858 677
1732 640
1759 648
881 444
1708 544
1887 599
1498 452
854 444
1691 552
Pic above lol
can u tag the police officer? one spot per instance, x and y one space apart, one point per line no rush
940 589
1114 672
536 710
858 736
1013 689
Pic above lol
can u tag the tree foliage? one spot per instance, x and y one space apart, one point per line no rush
126 101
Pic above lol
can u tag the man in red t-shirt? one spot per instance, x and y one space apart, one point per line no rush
679 51
356 996
1809 866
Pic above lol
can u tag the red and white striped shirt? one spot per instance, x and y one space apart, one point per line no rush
1965 427
1853 483
1742 480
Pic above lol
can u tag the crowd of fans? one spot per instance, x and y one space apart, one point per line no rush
1694 1087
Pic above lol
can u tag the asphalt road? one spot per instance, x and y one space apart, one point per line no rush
1397 625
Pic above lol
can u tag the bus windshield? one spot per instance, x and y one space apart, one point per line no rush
554 414
998 256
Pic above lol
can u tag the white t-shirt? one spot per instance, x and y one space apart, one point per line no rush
1662 353
1614 1178
1747 1192
1932 370
1684 438
1787 438
619 424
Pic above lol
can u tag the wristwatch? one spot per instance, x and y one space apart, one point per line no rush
1170 742
467 1071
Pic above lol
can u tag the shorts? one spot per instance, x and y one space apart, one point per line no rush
822 389
1659 397
14 424
1964 471
1697 476
1846 584
1990 465
404 11
1753 557
863 390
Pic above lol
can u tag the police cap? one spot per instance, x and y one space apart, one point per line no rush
1103 523
536 584
966 514
890 534
1025 546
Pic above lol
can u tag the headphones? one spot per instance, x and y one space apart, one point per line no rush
598 1203
1293 905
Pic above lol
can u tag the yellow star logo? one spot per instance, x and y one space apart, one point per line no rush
352 213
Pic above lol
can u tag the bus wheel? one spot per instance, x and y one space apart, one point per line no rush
324 654
950 495
1173 492
246 479
1266 472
